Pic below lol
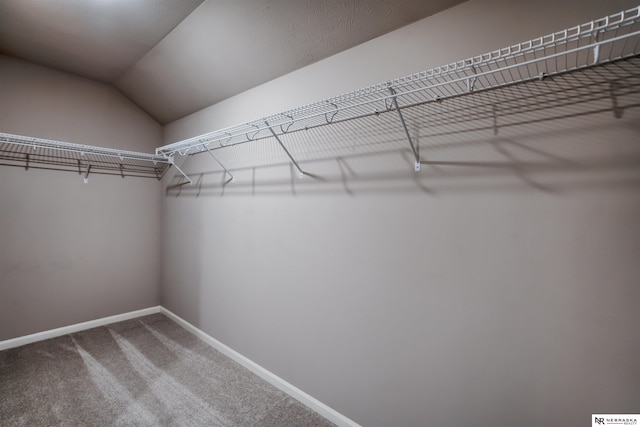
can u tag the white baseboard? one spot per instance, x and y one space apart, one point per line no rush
309 401
65 330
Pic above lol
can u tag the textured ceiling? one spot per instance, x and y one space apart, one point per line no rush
175 57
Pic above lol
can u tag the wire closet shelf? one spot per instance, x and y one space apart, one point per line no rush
25 151
599 42
595 45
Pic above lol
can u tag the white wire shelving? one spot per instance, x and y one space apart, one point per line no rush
39 153
594 60
599 43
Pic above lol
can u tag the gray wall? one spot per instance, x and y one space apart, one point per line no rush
72 252
503 290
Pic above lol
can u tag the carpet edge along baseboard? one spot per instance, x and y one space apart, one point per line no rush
306 399
77 327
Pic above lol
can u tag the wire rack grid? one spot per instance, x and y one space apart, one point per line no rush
598 42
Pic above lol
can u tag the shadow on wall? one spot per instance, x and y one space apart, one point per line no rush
571 131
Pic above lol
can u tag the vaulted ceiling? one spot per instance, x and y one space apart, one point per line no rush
175 57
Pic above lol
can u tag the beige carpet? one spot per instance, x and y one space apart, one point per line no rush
143 372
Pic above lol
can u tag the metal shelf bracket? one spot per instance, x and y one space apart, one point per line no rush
596 49
471 80
173 163
85 177
231 178
300 172
406 131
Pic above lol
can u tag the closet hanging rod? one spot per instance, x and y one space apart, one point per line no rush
611 38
